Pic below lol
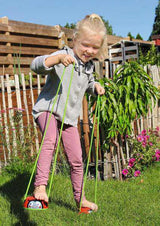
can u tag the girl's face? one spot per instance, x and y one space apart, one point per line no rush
87 45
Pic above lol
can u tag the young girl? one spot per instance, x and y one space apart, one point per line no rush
88 40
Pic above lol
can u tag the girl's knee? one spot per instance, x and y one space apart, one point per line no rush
76 163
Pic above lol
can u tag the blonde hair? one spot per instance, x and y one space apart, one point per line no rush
95 24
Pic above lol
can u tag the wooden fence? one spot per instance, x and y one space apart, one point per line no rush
20 43
18 95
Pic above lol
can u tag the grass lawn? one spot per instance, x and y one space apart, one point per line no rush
127 203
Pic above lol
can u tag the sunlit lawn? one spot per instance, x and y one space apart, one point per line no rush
133 202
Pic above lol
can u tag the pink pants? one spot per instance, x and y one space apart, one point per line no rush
72 148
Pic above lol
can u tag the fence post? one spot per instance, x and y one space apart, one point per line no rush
10 106
5 118
4 20
1 127
62 38
86 125
26 108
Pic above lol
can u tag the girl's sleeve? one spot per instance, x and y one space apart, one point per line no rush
38 65
91 85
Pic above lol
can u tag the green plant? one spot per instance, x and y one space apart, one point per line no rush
145 150
128 96
152 57
17 61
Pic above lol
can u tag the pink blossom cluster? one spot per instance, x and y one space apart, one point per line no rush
137 173
131 163
144 138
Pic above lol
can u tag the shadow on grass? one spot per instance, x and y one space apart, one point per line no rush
14 191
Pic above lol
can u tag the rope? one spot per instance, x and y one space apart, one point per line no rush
58 145
49 119
89 153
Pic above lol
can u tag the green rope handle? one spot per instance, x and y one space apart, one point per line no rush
60 134
98 118
89 153
48 122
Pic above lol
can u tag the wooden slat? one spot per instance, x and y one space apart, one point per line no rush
7 141
11 114
117 50
14 60
111 39
106 69
7 70
126 57
4 27
19 103
38 84
3 146
26 108
86 125
26 50
128 48
28 40
34 29
68 32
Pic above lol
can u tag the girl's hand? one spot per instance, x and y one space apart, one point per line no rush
99 89
66 59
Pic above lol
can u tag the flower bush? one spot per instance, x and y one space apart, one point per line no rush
145 150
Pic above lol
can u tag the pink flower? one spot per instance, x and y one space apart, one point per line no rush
157 128
125 172
150 143
144 144
157 155
3 111
131 162
144 132
137 173
140 138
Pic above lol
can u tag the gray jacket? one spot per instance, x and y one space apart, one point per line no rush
83 81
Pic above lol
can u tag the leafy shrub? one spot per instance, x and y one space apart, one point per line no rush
145 151
152 57
127 96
